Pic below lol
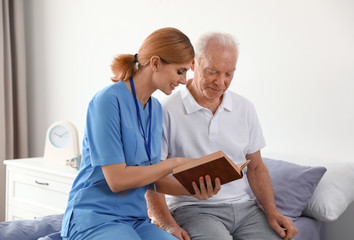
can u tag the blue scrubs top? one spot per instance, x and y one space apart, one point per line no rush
112 135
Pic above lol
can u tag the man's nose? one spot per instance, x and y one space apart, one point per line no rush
219 80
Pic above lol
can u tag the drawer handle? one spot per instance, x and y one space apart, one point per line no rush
42 183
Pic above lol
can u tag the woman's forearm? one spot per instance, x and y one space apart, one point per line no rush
169 185
121 177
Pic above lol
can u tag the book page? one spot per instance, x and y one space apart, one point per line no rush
243 165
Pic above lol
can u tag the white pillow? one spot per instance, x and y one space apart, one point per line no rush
335 191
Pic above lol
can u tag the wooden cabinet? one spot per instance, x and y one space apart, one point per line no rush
37 187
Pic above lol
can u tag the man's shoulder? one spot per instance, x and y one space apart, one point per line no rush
238 98
172 100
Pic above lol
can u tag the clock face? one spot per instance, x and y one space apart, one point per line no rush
59 136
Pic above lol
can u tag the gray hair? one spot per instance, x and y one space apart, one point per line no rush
224 39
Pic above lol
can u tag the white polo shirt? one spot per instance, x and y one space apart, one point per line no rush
192 131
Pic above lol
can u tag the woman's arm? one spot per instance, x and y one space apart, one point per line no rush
121 177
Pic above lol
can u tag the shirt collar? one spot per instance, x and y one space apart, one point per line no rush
192 106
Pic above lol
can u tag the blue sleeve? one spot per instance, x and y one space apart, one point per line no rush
103 129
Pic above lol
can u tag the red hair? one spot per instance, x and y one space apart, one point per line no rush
170 44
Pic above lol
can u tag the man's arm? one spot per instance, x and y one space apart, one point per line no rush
160 214
262 187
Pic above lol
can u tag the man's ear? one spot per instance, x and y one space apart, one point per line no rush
193 64
155 63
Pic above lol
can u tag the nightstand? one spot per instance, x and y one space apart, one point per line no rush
37 187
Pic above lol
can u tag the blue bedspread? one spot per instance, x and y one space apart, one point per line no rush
48 228
44 228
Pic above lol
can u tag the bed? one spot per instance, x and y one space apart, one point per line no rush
316 195
329 210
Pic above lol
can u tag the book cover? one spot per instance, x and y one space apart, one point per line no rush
215 165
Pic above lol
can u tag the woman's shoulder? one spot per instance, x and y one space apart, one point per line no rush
156 103
113 91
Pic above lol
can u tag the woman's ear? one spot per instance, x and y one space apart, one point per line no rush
155 63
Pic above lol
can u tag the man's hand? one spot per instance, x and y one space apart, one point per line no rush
177 231
282 225
207 191
161 216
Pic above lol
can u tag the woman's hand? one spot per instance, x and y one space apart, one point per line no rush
205 192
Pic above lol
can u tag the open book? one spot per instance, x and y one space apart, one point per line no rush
216 165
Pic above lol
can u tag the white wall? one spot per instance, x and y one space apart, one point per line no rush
296 63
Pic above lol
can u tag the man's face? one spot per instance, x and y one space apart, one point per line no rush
214 71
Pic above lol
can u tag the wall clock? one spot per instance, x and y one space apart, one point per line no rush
61 142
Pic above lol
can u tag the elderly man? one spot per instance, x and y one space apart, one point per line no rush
204 117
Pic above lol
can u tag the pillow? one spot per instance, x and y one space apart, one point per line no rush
30 229
333 194
293 185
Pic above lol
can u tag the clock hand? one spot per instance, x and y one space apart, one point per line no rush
60 135
64 134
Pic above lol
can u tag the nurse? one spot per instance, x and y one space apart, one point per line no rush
121 146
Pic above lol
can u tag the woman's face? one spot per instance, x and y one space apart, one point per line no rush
169 76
